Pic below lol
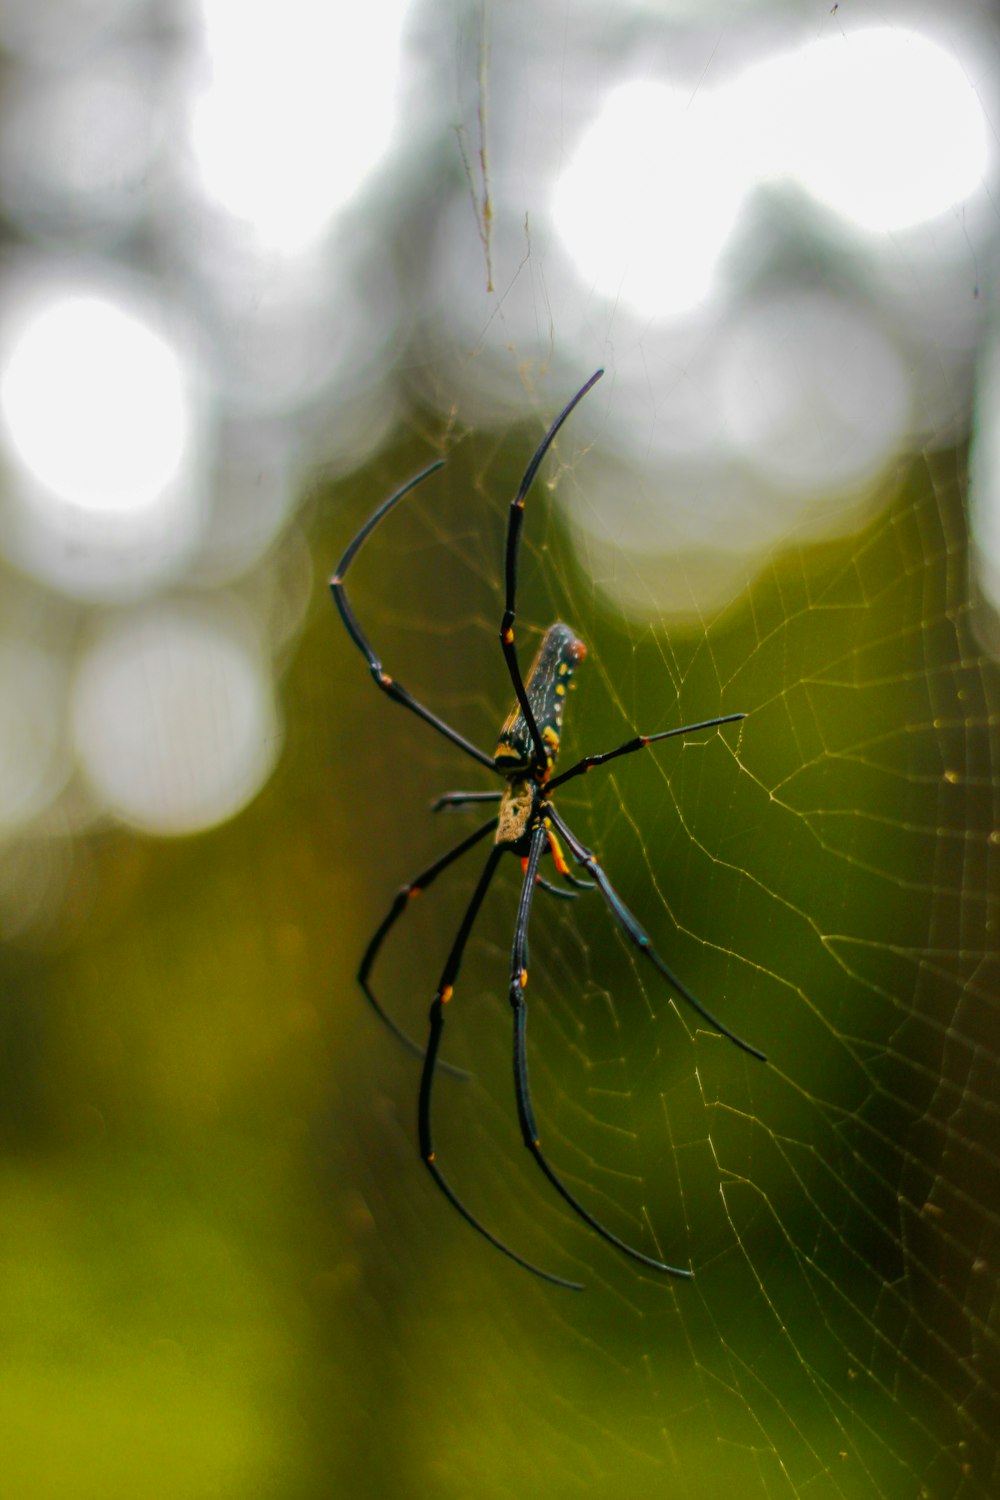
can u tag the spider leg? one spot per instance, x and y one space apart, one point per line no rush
559 859
556 890
638 934
463 799
514 524
382 680
630 746
402 899
526 1115
444 994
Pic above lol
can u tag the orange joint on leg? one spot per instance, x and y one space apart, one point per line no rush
557 855
414 890
523 979
446 994
508 636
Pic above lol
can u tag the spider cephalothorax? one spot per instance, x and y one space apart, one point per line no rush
527 825
545 687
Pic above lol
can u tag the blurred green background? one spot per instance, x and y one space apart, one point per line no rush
224 1270
262 263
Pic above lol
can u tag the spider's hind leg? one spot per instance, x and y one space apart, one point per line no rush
634 930
526 1115
444 993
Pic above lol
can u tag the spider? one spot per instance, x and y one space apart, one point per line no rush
527 825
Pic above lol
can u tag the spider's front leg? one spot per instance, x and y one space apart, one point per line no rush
515 521
395 690
639 742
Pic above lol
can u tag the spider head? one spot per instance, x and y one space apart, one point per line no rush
546 685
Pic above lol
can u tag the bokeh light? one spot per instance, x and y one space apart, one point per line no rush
94 404
887 161
746 399
632 209
814 396
298 110
106 441
173 719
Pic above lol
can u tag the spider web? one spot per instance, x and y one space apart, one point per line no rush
821 876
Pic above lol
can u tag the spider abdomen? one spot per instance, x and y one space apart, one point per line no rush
546 686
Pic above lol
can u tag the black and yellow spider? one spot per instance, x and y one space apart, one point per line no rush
527 825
